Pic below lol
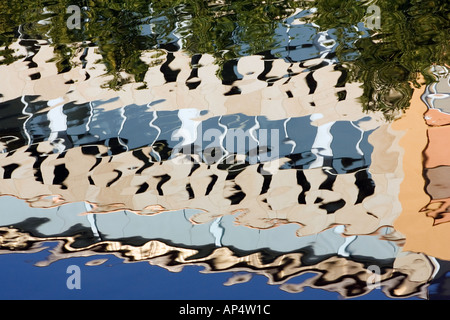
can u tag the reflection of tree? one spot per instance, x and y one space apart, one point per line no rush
227 31
413 36
113 27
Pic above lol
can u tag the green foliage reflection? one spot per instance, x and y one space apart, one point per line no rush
413 35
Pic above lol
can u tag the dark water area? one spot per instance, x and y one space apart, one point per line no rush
272 150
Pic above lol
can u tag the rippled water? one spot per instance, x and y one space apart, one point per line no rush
302 142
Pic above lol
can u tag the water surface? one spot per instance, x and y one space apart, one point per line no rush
285 149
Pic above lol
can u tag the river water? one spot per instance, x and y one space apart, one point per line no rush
208 150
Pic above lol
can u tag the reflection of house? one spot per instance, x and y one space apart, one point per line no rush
437 152
437 173
313 197
169 240
267 87
342 145
436 97
102 147
319 205
424 190
175 227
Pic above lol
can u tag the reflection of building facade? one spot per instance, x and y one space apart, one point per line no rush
90 151
314 198
268 87
437 153
401 275
342 143
328 205
424 189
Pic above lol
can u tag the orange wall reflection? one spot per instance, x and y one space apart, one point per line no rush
423 187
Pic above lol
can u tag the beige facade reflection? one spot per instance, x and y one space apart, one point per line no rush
278 206
256 98
108 185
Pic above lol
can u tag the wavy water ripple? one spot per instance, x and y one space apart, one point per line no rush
275 138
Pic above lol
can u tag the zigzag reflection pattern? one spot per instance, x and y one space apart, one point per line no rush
110 157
